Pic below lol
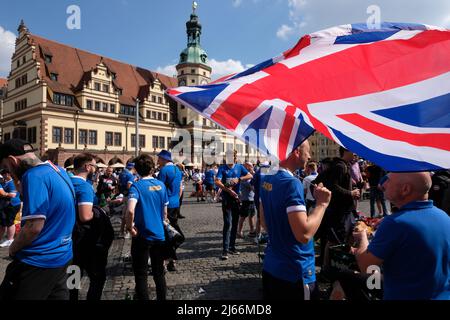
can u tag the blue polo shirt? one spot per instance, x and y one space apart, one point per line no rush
414 244
171 177
209 177
46 195
9 187
226 173
125 177
285 258
151 197
83 191
256 181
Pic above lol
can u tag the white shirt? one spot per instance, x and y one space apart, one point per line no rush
306 185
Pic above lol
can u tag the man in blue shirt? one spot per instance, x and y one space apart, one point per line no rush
11 197
209 184
228 178
171 176
288 270
126 179
86 253
43 248
146 215
412 244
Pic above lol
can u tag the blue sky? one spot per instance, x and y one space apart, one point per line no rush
236 33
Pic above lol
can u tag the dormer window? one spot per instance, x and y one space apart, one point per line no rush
54 76
97 86
48 58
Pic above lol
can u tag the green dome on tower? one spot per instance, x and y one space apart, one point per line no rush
194 52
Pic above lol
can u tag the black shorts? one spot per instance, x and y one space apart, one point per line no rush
247 209
8 215
209 187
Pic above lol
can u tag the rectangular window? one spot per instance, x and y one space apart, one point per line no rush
165 116
127 110
31 135
204 122
54 76
7 136
155 142
169 142
105 88
153 98
159 116
153 114
112 108
97 86
24 79
68 135
109 138
141 141
18 82
192 70
82 136
117 139
149 114
97 106
184 120
89 104
160 100
239 148
57 135
162 142
105 107
20 105
48 58
93 137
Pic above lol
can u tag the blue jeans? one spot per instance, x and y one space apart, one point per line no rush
377 194
230 210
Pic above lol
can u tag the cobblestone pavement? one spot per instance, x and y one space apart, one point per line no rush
201 274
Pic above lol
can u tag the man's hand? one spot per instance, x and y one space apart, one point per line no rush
322 195
133 231
356 194
360 236
233 194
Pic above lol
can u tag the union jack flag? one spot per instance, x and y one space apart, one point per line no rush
381 93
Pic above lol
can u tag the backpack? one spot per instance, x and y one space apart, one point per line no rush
97 232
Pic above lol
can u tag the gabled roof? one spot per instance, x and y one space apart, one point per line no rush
73 67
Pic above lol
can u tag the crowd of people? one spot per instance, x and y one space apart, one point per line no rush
299 208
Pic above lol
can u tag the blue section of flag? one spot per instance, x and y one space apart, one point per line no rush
396 164
387 26
364 37
202 101
432 113
254 69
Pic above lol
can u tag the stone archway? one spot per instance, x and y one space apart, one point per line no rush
115 160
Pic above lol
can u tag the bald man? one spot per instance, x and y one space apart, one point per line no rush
413 244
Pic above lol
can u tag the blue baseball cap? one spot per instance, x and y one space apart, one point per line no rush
166 155
130 165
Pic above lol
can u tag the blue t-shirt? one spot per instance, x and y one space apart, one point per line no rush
286 258
124 178
46 195
83 191
171 177
151 197
414 244
209 177
256 181
225 174
9 187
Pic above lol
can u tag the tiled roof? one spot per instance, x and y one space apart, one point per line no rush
3 82
73 68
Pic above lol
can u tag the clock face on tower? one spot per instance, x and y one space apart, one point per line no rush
182 82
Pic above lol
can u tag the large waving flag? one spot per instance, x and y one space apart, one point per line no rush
381 93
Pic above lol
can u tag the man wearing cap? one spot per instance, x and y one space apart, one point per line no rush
42 250
228 179
171 176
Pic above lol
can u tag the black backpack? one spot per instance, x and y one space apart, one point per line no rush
440 190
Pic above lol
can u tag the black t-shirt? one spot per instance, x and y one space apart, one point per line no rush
375 174
106 186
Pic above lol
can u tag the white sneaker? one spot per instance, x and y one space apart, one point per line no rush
6 243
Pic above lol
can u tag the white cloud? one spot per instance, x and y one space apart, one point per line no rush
7 43
168 70
219 68
236 3
284 31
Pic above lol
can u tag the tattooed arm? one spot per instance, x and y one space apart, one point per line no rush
29 232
